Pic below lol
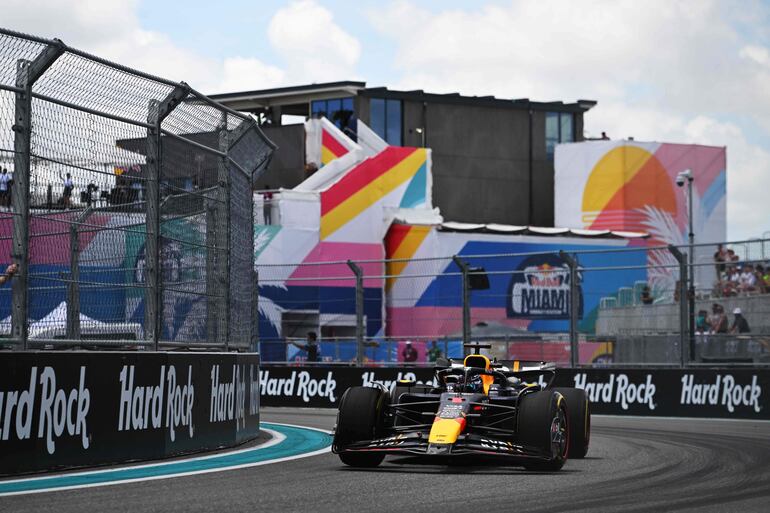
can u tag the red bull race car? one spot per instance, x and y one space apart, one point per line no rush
504 410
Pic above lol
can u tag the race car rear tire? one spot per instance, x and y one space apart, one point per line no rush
579 420
360 419
543 424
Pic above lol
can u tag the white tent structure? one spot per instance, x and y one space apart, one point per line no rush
5 326
54 325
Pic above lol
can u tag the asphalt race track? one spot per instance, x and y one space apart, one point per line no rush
635 464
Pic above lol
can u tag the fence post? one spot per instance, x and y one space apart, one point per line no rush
27 73
223 237
574 307
73 288
466 299
360 333
683 303
255 313
157 112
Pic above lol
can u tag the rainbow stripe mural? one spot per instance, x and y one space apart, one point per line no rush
395 178
331 147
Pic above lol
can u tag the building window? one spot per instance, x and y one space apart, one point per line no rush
338 110
385 119
559 128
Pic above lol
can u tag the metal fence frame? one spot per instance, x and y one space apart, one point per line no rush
242 151
683 339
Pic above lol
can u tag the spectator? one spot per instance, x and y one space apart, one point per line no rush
646 295
763 279
434 352
718 319
701 322
740 324
67 192
720 257
5 190
267 206
731 282
605 137
91 188
732 259
747 280
311 347
9 272
409 353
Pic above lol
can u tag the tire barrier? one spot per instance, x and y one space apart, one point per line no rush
713 393
66 410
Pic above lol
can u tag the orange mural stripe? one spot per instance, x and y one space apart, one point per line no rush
408 247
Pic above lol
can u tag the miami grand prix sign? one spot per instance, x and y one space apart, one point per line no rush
540 289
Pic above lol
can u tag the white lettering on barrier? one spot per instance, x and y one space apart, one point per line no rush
619 390
724 391
60 410
368 379
228 400
306 386
141 407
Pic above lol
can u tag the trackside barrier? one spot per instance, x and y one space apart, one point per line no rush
66 410
716 393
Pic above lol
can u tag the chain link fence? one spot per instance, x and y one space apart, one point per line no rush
125 206
634 305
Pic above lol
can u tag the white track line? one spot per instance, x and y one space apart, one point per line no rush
277 438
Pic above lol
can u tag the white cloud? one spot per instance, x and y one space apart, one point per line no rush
758 54
304 34
661 70
315 48
242 73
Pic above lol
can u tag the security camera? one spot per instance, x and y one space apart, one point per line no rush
683 177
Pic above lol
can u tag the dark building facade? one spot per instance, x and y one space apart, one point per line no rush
492 158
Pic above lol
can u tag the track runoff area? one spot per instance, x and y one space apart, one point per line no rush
634 464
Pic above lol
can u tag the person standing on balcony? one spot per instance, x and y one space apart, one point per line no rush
267 199
67 192
5 190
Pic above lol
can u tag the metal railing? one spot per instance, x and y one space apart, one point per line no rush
632 305
130 215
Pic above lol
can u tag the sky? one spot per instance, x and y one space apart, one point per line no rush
671 71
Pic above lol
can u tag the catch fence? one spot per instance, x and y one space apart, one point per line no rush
128 212
636 304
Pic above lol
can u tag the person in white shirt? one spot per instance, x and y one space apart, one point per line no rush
67 193
747 281
5 189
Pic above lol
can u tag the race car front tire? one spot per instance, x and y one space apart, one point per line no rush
360 419
579 420
543 424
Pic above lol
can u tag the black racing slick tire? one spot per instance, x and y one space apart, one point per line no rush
360 419
579 420
543 424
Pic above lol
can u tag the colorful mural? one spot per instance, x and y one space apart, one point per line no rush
527 291
631 185
324 142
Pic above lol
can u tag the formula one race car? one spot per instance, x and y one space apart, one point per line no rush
477 408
